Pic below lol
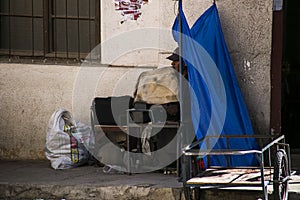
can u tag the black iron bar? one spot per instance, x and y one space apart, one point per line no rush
97 22
46 27
50 20
78 31
90 45
180 65
9 31
228 157
180 142
197 143
32 29
18 15
55 29
208 156
216 152
70 17
67 38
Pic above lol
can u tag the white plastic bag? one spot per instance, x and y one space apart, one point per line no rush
67 141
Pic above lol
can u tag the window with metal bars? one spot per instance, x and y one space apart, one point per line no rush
49 28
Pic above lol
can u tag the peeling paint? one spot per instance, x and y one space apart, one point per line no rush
247 65
129 9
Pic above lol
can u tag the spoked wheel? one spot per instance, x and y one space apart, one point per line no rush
280 177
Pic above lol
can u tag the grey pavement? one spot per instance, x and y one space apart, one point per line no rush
37 180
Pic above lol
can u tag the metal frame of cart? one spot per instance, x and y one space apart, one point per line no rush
275 167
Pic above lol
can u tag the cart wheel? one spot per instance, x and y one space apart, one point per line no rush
281 171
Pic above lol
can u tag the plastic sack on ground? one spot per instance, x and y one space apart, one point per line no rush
67 141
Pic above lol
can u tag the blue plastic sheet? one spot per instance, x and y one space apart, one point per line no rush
217 106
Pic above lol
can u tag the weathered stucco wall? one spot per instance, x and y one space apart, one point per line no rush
140 42
29 94
247 27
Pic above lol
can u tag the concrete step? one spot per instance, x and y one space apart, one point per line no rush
37 180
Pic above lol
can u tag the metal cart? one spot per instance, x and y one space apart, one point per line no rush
274 168
136 123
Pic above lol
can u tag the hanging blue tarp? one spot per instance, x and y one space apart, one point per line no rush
217 105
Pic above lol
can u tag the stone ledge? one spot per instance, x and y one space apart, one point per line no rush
36 180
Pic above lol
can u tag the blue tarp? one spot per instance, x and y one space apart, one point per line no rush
217 106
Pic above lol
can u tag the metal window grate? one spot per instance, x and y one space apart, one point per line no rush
67 29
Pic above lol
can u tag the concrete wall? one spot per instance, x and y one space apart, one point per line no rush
247 27
29 94
141 42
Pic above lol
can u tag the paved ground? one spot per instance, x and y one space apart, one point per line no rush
36 180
